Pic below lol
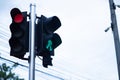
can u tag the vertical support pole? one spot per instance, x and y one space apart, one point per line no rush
32 42
115 33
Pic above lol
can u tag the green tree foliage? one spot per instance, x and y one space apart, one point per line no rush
6 72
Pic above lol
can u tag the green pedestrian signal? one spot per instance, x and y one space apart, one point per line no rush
49 45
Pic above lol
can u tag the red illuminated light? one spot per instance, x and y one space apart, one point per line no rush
18 18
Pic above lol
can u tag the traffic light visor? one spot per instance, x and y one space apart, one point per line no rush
16 31
15 45
51 24
56 40
16 15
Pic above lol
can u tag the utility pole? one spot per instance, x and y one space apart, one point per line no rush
115 33
32 42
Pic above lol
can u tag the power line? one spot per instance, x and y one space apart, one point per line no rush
35 69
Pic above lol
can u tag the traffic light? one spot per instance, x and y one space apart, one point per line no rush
47 40
19 41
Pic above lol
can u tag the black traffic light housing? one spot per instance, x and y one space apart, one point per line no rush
47 40
19 41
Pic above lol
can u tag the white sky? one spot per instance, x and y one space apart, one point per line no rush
87 51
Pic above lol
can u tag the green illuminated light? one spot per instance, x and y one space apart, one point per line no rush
49 45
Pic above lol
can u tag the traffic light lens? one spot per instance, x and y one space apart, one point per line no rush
49 45
16 30
16 45
18 18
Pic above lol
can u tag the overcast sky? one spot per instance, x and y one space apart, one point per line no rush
87 52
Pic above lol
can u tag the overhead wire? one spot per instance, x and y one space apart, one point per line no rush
35 69
66 72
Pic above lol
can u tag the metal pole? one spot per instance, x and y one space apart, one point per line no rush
115 33
32 42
